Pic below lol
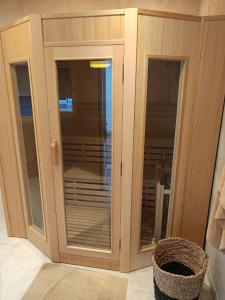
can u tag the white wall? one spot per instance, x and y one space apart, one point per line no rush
216 268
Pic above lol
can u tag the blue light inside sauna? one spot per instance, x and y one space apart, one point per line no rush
66 105
108 91
25 106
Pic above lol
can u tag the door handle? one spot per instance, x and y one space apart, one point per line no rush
54 152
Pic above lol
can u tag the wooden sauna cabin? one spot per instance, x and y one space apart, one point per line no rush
105 144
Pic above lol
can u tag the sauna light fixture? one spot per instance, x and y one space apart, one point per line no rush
99 64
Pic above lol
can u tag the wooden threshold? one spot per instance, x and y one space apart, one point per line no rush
90 261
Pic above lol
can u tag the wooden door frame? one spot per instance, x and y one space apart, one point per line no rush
104 259
29 30
33 233
9 176
142 257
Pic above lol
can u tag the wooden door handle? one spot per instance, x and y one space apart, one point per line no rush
54 151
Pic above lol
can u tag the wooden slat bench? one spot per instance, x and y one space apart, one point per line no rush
87 187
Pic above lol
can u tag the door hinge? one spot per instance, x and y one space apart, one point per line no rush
119 244
123 73
121 168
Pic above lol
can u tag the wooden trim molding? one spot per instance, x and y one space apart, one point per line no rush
11 197
90 261
163 14
15 23
3 195
84 43
214 18
42 115
114 12
130 50
87 13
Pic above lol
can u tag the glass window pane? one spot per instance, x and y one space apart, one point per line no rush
29 145
85 107
161 111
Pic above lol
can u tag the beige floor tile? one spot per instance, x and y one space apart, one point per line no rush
20 261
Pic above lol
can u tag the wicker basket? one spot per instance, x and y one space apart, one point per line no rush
179 267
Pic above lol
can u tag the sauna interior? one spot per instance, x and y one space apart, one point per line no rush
106 133
86 130
160 125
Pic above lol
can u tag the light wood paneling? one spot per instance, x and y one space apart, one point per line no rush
168 39
158 37
43 135
204 7
84 14
83 29
165 14
11 190
15 23
128 127
212 7
23 43
206 125
216 7
185 6
90 261
16 43
5 205
13 9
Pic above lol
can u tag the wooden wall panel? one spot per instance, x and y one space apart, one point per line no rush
216 7
15 46
23 43
16 42
10 186
12 9
212 7
204 6
206 125
130 51
184 6
83 29
168 38
43 133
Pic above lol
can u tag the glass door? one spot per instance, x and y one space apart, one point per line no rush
28 144
85 95
156 131
28 139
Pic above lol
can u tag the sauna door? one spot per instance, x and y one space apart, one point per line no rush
85 94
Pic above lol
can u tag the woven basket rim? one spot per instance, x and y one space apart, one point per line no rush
190 277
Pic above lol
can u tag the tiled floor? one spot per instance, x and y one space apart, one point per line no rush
20 261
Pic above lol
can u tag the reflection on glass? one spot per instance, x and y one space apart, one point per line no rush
161 111
86 130
29 145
